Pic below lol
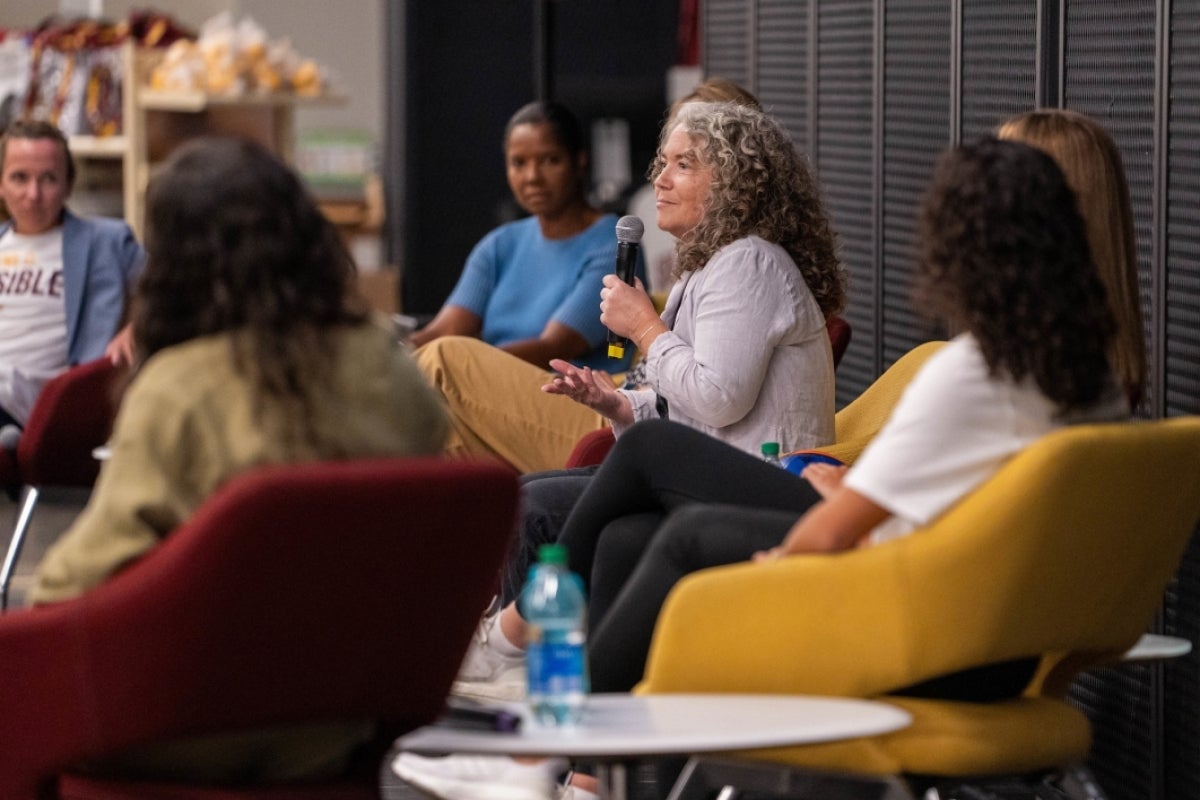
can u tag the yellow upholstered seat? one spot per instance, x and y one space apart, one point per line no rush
1063 555
861 419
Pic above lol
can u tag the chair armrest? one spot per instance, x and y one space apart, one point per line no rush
592 448
821 624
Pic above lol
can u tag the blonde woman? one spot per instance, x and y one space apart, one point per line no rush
1092 165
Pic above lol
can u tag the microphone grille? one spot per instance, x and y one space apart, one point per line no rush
630 229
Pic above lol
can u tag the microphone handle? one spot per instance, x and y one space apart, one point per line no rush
626 267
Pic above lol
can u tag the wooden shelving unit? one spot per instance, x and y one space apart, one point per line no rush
155 122
99 146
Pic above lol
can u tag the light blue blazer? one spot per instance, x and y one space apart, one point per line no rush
101 260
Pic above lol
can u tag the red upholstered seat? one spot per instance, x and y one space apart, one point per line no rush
302 593
73 416
839 337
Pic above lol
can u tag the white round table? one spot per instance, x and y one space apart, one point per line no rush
617 728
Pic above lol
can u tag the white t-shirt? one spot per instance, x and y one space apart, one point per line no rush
953 428
33 317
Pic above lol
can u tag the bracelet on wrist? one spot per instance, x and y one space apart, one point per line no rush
642 335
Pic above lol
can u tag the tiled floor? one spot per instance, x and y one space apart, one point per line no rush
55 511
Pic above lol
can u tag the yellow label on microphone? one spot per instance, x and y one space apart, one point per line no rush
616 351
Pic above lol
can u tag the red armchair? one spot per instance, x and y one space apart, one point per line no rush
73 415
839 337
303 593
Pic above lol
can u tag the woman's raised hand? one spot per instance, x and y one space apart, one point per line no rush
593 388
627 310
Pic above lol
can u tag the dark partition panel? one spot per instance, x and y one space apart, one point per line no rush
1104 40
782 64
1181 290
998 62
464 67
1179 297
882 86
916 129
729 40
846 163
1109 73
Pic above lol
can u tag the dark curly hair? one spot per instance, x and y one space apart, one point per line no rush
1004 254
761 186
235 244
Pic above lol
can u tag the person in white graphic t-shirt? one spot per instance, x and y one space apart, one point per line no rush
64 280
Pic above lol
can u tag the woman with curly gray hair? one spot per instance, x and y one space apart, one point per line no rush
761 186
740 353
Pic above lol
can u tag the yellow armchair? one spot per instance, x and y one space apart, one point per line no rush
861 419
1063 555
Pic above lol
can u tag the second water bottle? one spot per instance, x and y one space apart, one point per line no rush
554 605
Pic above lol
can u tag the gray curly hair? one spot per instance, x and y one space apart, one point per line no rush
761 186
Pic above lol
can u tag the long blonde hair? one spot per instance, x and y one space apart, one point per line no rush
1092 165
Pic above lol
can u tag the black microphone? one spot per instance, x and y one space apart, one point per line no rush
629 233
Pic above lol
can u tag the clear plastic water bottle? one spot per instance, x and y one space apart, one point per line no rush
554 605
770 453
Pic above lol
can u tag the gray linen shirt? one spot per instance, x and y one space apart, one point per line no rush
747 359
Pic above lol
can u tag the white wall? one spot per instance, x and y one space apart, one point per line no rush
345 36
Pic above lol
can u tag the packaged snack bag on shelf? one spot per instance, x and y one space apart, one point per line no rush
237 57
14 75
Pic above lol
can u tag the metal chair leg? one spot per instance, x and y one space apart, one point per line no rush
729 779
18 540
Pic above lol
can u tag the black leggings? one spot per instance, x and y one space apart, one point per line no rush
667 501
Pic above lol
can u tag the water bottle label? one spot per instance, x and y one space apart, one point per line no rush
556 668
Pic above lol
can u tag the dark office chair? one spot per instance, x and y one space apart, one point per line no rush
302 593
73 416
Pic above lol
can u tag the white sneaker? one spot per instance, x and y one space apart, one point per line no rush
508 691
484 663
480 777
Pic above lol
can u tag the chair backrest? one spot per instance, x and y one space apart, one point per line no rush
1065 553
591 448
322 591
72 416
839 336
857 423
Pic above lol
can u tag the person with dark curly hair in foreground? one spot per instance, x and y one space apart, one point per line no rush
252 350
1004 258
